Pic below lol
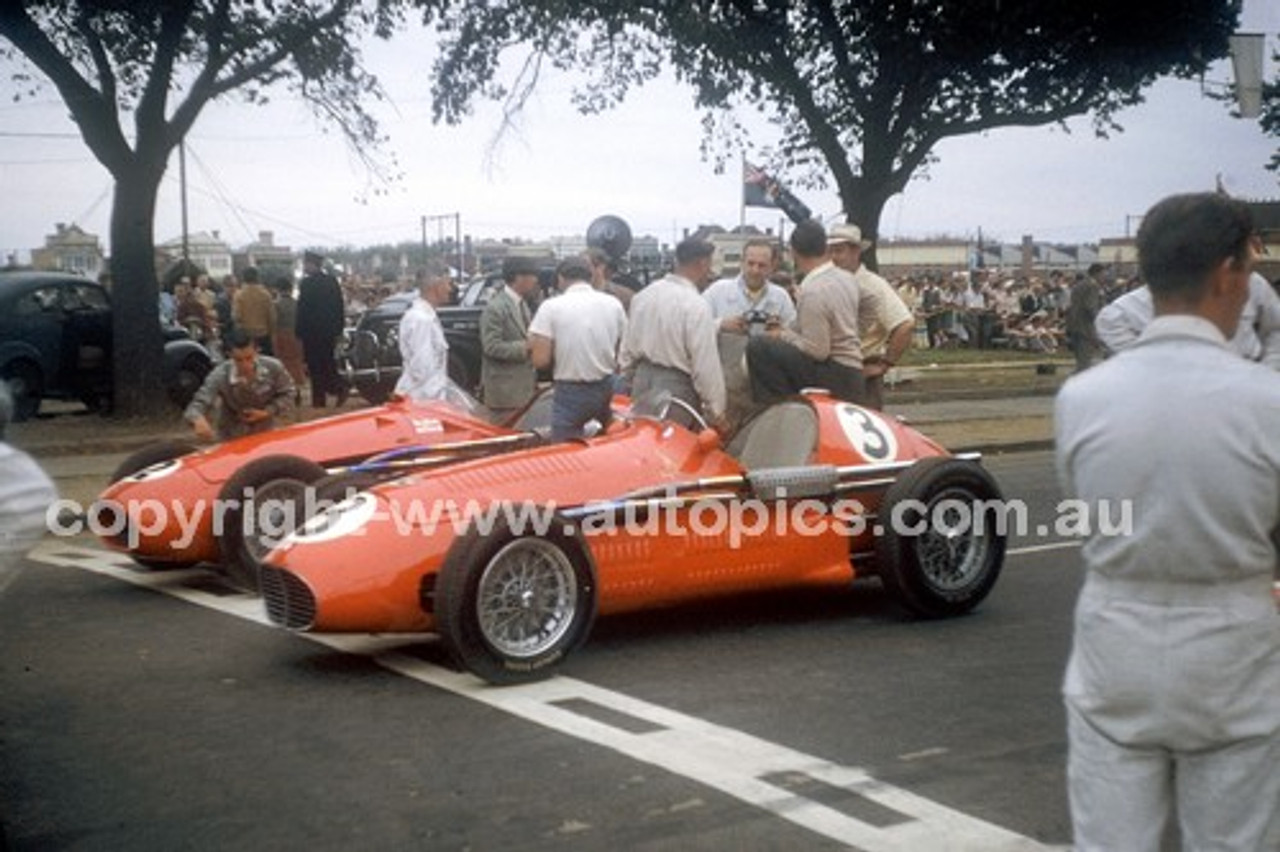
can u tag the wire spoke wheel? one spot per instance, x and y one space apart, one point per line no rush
942 550
527 598
953 550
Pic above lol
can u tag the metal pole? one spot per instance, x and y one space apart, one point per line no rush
457 241
182 185
424 241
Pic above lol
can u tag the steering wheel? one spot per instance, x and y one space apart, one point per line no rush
684 406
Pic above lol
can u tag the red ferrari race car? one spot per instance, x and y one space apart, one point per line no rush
510 558
172 505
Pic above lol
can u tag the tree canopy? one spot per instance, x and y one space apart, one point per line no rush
862 91
136 74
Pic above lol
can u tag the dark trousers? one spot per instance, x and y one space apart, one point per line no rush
322 370
779 369
654 384
576 403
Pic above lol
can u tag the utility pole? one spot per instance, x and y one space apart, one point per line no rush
182 186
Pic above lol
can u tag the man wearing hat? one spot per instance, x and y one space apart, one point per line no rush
824 350
885 324
318 325
507 377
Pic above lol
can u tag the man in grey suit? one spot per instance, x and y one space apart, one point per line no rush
507 377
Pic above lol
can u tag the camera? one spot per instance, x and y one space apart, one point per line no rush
757 321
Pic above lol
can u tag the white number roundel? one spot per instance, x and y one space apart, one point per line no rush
868 433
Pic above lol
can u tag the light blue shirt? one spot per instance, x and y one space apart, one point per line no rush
729 297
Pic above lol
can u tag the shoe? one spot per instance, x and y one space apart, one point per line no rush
344 393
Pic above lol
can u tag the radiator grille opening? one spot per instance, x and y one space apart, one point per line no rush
290 603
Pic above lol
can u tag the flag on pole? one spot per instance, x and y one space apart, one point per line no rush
760 190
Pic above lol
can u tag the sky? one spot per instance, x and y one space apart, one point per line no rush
274 168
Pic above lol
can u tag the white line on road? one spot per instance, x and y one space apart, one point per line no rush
735 763
1042 548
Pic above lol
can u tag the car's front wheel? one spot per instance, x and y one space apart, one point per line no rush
26 386
511 605
151 456
187 380
942 538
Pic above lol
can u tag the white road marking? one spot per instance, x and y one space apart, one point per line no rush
735 763
1042 548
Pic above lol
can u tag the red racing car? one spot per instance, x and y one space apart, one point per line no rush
510 558
173 505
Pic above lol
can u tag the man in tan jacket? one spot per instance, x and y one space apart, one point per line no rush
254 310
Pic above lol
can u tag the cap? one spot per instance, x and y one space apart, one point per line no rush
312 257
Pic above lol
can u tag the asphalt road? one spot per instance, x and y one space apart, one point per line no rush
137 720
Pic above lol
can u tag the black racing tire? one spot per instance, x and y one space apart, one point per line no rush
26 386
287 477
548 581
161 451
937 558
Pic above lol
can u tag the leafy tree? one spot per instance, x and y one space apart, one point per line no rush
1270 116
158 64
861 90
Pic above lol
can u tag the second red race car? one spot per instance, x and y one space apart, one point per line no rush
174 505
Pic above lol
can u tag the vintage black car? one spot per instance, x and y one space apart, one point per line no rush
55 342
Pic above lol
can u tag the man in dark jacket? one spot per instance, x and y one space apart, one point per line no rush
319 324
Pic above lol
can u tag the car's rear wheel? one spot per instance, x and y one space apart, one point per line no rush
26 386
942 543
254 502
511 606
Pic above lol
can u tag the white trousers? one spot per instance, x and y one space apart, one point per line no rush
1122 798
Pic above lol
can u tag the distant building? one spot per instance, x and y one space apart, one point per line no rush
206 250
70 249
270 259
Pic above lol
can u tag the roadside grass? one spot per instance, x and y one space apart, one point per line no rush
923 357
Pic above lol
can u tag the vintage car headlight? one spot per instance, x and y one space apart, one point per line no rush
341 519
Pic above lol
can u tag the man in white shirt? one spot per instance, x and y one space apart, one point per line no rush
577 335
424 351
670 345
749 303
885 324
1173 685
1257 336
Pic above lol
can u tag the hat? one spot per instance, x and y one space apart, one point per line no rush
313 257
513 266
847 234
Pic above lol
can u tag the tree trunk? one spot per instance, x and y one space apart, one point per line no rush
863 204
137 340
